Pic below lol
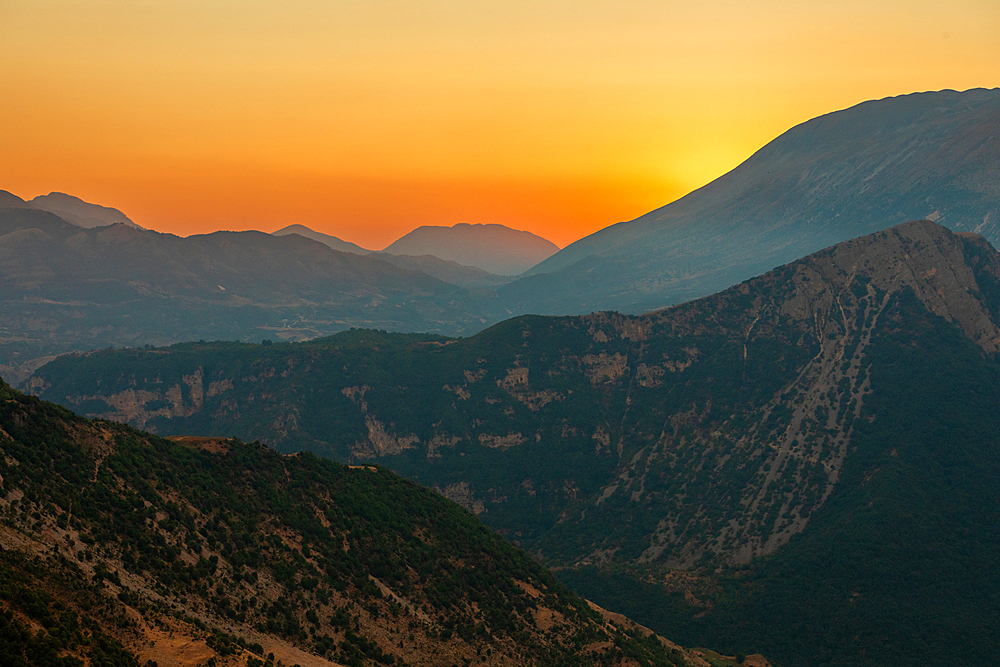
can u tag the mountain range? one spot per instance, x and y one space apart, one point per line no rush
851 172
800 463
71 288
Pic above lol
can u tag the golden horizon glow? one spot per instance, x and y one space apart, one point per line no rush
366 119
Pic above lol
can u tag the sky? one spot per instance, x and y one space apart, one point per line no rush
364 119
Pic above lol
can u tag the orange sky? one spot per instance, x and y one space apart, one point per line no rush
366 118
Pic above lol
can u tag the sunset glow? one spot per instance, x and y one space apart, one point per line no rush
366 119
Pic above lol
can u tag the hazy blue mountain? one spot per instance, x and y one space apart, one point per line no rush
71 288
470 277
493 248
78 212
923 156
326 239
442 269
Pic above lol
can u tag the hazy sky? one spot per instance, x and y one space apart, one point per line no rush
364 119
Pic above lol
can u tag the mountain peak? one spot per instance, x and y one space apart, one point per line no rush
840 175
10 200
928 259
491 247
326 239
78 212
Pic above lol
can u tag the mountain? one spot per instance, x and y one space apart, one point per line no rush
469 277
326 239
804 462
78 212
71 288
124 549
842 175
10 200
493 248
448 271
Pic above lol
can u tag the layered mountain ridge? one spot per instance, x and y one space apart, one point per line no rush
705 435
72 288
793 341
847 173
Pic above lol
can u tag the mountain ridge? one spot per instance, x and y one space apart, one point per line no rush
834 177
326 239
814 307
72 288
79 212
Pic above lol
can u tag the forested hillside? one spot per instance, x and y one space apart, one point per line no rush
120 547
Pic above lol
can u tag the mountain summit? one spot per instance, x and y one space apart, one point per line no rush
494 248
332 241
929 156
80 213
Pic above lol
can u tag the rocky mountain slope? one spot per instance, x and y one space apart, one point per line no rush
494 248
120 548
842 175
67 288
661 447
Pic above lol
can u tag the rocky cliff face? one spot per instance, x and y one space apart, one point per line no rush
712 429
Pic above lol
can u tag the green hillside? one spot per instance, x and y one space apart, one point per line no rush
118 547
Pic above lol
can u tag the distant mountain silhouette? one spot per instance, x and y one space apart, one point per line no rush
847 173
442 269
326 239
470 277
71 288
80 213
10 200
494 248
